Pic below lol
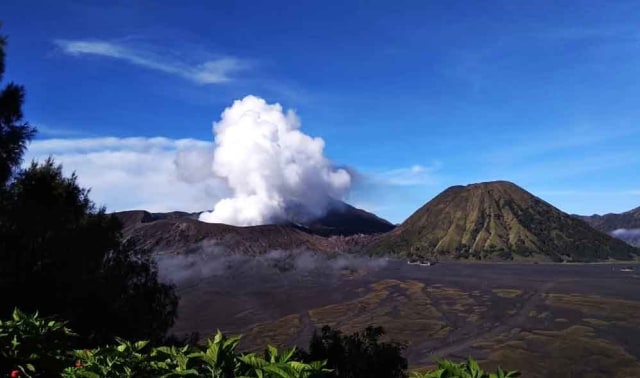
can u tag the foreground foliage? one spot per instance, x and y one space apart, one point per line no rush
37 347
32 346
467 369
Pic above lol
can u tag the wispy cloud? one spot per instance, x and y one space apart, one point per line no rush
588 201
154 174
210 72
395 192
408 176
585 193
546 171
570 139
58 132
622 232
87 145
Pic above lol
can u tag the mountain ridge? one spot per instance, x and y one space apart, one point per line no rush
344 228
483 221
497 220
625 226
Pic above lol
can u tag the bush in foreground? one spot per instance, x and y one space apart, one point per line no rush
360 354
467 369
31 346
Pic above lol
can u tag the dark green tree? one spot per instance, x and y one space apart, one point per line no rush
15 133
360 354
68 258
61 255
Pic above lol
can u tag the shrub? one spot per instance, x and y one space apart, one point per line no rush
467 369
360 354
31 346
35 346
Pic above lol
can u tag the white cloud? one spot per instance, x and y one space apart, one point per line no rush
407 176
162 174
136 173
210 72
259 169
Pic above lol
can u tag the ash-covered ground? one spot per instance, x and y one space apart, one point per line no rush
547 320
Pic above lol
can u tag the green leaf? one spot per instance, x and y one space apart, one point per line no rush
271 353
17 315
140 344
86 374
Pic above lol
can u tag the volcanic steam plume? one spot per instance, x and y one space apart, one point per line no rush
275 172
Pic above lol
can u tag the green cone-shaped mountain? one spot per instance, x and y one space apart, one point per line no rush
497 220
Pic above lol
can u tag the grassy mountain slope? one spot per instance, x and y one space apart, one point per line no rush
497 220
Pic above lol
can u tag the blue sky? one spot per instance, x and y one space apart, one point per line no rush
413 95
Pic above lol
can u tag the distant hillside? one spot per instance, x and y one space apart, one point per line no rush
344 219
344 228
625 226
497 221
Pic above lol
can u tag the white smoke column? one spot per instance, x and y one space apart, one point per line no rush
274 171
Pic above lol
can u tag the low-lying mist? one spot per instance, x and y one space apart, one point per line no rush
212 261
629 233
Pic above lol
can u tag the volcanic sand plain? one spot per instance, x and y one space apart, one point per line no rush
546 320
